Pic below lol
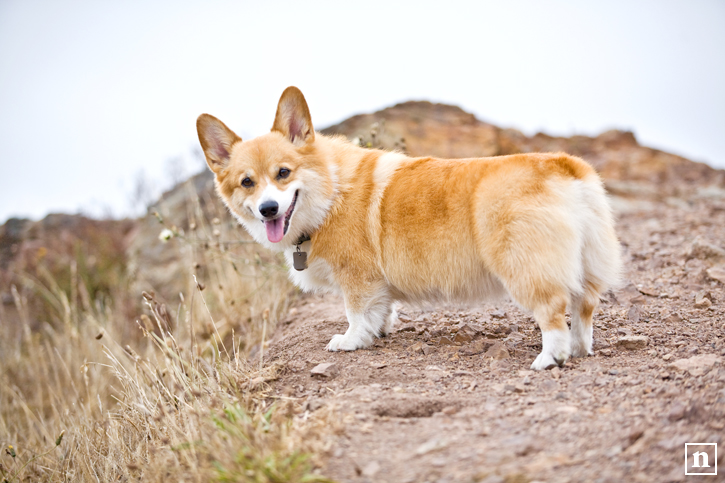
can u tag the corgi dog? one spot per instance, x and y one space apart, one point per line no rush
381 227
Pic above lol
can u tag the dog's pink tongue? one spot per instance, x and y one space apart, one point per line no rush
275 229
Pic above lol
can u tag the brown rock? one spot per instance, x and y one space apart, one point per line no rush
703 299
704 250
420 347
497 351
326 369
462 337
446 341
633 342
673 319
717 273
696 365
477 347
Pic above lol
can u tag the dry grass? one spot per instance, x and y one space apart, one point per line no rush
84 397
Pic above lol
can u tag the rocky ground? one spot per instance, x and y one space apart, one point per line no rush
449 396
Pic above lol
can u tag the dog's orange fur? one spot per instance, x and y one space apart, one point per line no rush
416 229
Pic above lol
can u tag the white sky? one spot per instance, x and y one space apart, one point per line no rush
93 92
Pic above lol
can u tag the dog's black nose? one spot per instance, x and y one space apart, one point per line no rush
268 208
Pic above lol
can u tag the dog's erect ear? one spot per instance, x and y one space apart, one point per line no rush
293 117
216 140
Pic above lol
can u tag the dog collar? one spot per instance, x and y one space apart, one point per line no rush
303 238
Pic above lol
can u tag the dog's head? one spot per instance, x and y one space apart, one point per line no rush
277 185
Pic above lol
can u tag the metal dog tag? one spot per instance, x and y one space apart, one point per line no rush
300 260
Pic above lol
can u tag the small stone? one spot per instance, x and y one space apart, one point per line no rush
717 273
477 347
633 342
676 412
526 381
674 319
509 387
696 365
497 351
420 347
326 369
430 445
449 410
667 357
555 372
371 469
613 372
703 249
606 352
446 341
427 349
462 337
703 299
498 314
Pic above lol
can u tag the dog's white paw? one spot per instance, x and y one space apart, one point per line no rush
342 342
544 361
555 351
581 340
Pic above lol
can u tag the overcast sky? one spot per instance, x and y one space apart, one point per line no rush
94 93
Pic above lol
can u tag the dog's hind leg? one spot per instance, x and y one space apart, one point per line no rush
555 337
390 321
582 309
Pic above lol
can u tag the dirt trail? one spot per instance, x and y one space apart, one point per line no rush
449 397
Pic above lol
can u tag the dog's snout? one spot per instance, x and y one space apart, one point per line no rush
268 208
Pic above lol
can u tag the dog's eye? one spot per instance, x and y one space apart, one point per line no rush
247 183
283 173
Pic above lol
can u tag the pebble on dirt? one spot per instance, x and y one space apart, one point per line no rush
633 342
326 369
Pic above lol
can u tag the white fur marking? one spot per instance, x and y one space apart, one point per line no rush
555 349
581 336
359 334
282 197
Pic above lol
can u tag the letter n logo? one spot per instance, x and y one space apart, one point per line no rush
701 458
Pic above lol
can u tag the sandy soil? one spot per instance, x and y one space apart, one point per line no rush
449 396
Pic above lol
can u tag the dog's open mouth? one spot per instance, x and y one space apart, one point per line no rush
277 228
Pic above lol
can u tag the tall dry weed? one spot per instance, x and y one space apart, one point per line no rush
88 395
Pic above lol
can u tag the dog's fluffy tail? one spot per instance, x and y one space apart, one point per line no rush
601 251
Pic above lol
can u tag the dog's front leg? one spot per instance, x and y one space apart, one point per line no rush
367 317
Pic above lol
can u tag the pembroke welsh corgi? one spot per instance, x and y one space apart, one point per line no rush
380 227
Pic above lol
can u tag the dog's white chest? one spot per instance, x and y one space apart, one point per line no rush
315 278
